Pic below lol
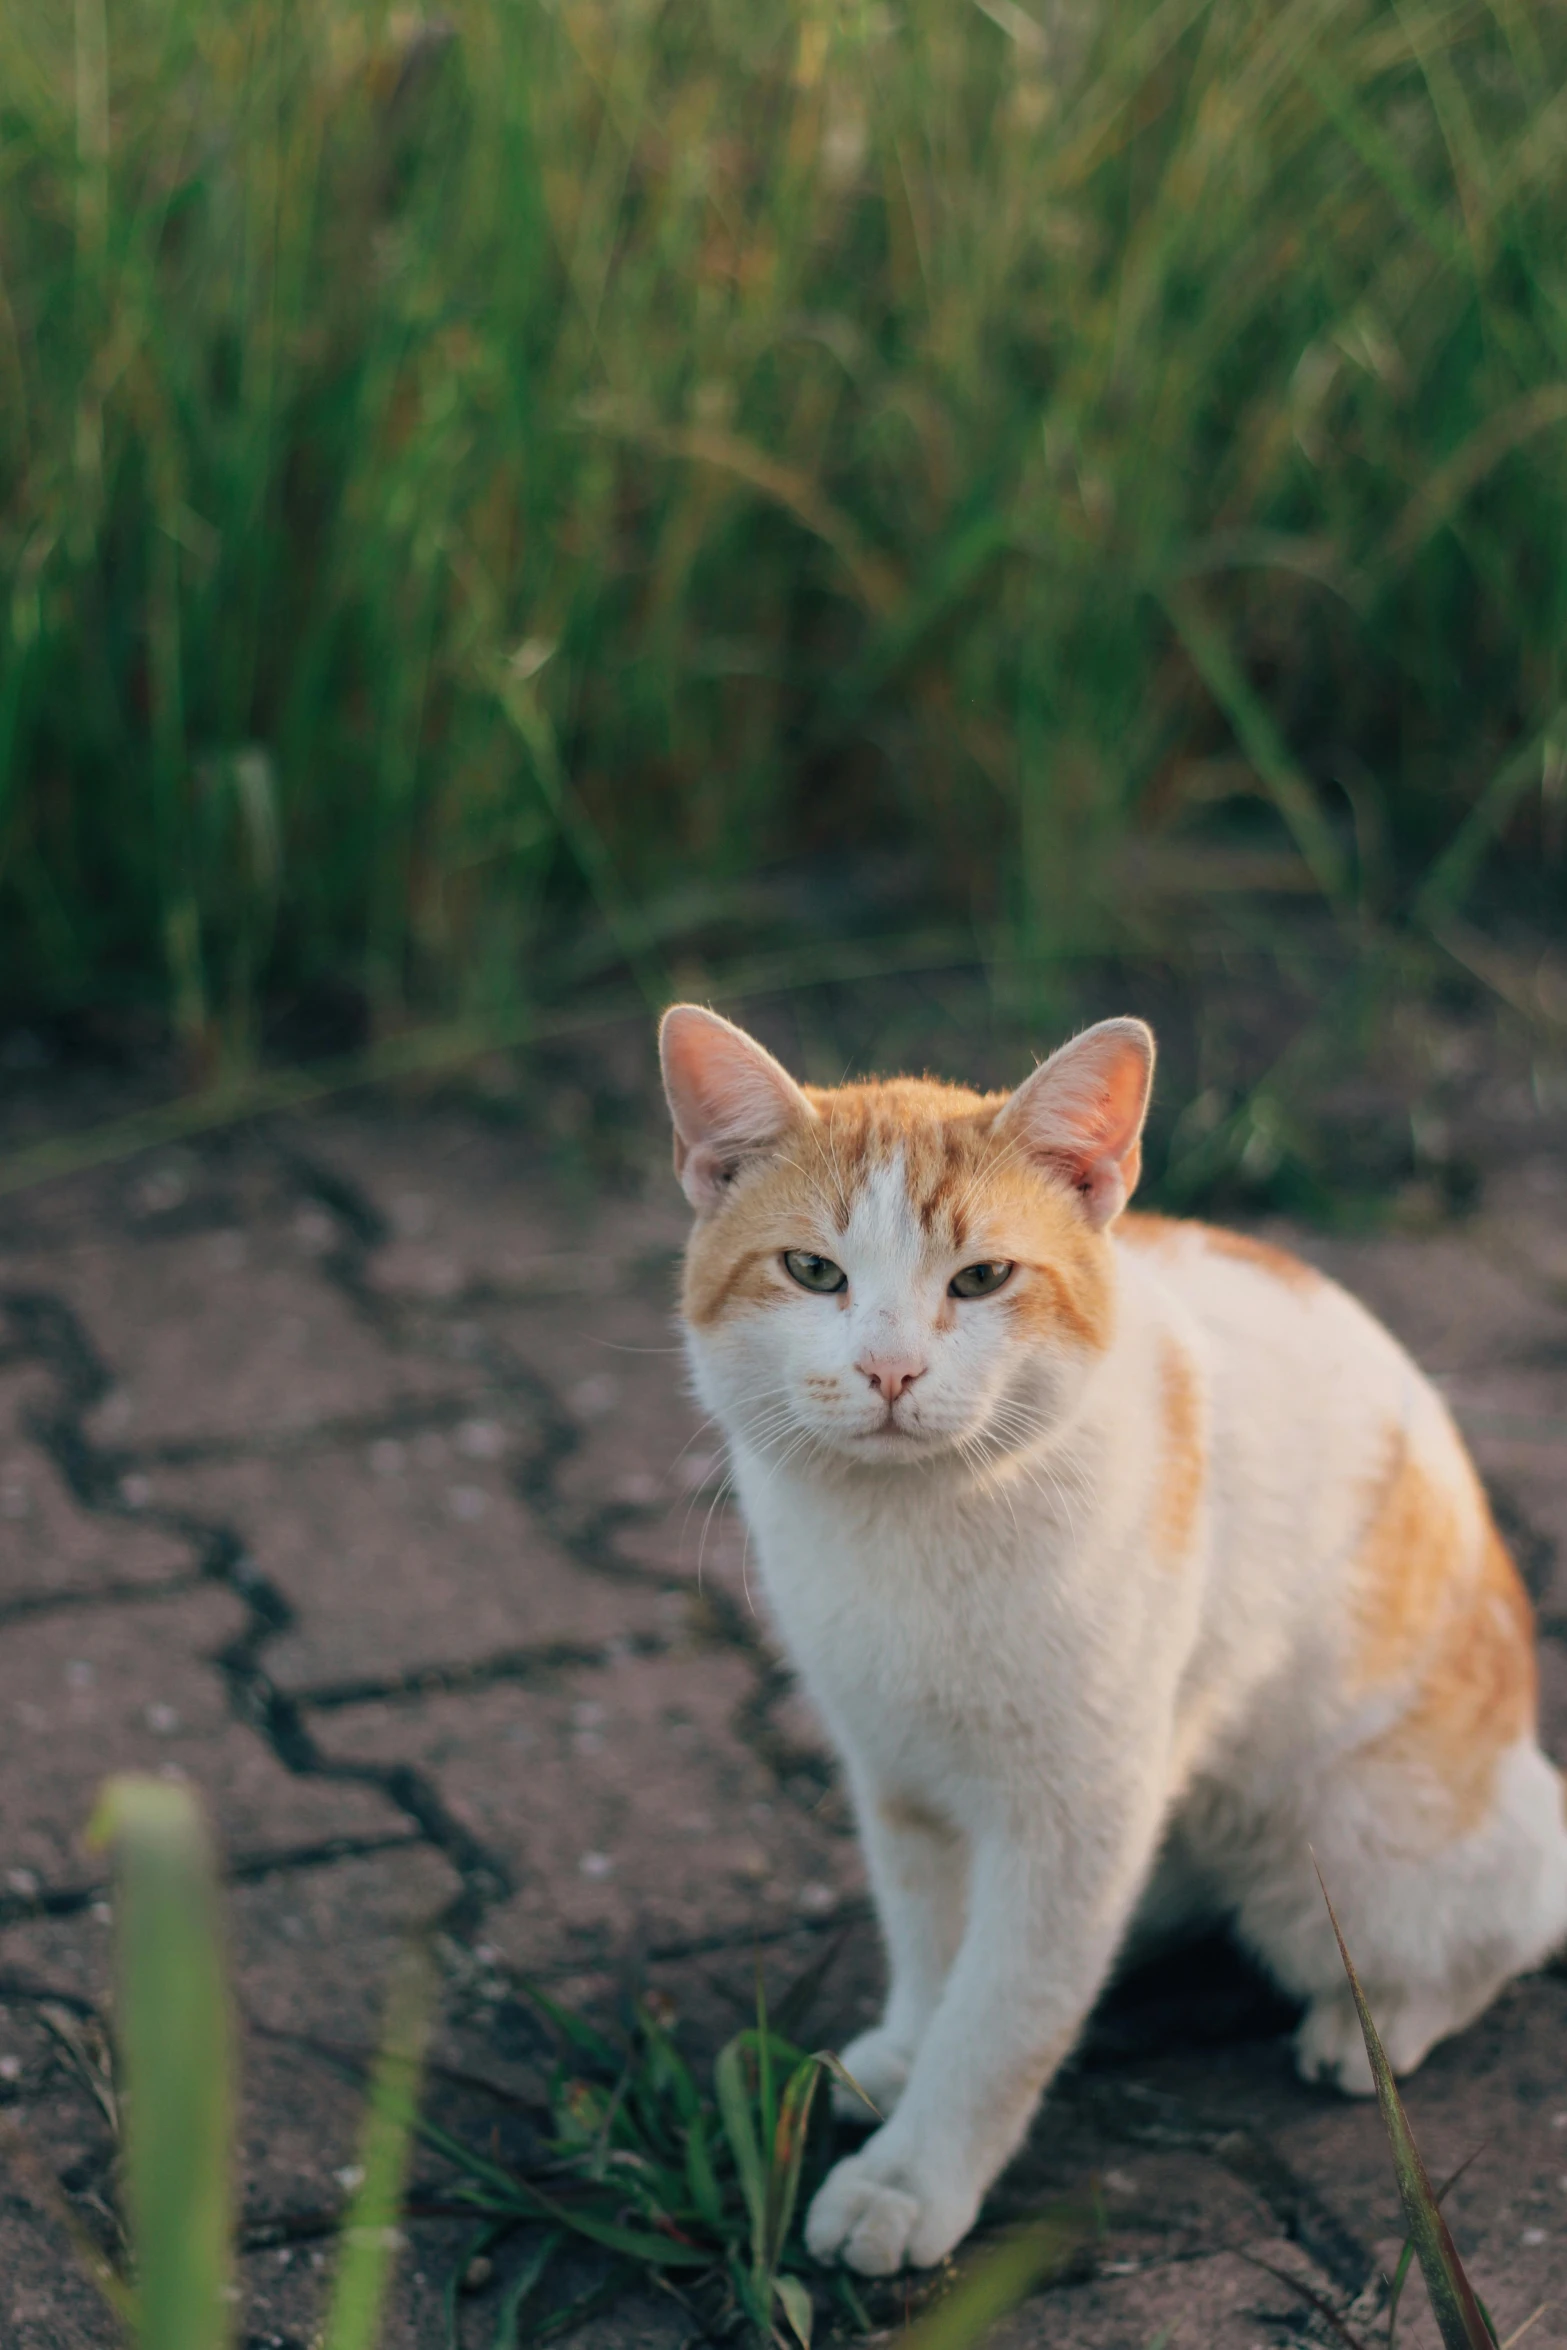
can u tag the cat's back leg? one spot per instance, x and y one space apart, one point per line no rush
1440 1837
1435 1929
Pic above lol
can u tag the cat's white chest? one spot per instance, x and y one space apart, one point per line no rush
931 1637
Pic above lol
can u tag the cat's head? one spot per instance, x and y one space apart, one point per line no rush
894 1271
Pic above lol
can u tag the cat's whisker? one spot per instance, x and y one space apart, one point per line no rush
723 1493
695 1494
709 1420
745 1571
764 1432
616 1346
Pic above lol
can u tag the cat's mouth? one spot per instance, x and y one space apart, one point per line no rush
891 1430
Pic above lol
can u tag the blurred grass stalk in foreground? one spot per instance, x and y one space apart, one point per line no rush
465 473
174 2035
176 2059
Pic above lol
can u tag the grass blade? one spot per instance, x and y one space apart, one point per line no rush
1312 2298
835 2065
764 2060
1451 874
1459 2317
513 2193
795 2302
1260 739
477 2246
1400 2275
176 2046
632 2243
574 2030
371 2236
789 2141
575 2313
38 2182
734 2109
1003 2275
491 2187
700 2179
525 2283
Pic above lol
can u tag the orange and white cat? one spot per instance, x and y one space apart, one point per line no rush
1128 1562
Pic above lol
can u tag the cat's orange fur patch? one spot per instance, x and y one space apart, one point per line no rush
1411 1555
966 1186
1478 1695
1156 1232
1184 1465
1438 1599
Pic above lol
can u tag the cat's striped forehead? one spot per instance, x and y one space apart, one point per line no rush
938 1138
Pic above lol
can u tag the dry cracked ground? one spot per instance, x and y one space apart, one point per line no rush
346 1471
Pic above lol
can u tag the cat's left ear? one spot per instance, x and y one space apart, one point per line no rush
729 1100
1081 1114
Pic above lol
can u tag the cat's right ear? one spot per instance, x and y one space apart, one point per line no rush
728 1098
1081 1114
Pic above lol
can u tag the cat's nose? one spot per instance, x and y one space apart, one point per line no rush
890 1375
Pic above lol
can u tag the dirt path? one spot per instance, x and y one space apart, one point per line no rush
346 1470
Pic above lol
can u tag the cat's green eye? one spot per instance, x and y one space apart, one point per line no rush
978 1280
813 1272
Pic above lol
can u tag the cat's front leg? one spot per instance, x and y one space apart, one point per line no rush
917 1864
1042 1930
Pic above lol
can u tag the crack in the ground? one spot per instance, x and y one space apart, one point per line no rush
23 1991
413 1416
853 1912
253 1868
29 1605
46 1329
1140 2116
529 1668
586 1533
363 1226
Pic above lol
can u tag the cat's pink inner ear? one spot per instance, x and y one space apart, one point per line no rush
1081 1114
728 1098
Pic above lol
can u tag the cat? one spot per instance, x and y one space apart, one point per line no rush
1129 1563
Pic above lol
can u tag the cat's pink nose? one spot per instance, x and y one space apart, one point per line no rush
890 1375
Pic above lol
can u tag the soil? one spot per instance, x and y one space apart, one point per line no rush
347 1472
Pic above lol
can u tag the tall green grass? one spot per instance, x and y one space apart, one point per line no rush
476 489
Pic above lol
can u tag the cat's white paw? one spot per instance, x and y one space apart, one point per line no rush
879 2212
1330 2047
880 2065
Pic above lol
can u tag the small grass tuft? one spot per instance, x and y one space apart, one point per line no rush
698 2191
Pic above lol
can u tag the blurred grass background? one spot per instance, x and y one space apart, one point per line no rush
493 499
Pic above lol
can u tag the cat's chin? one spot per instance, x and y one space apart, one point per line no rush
891 1446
